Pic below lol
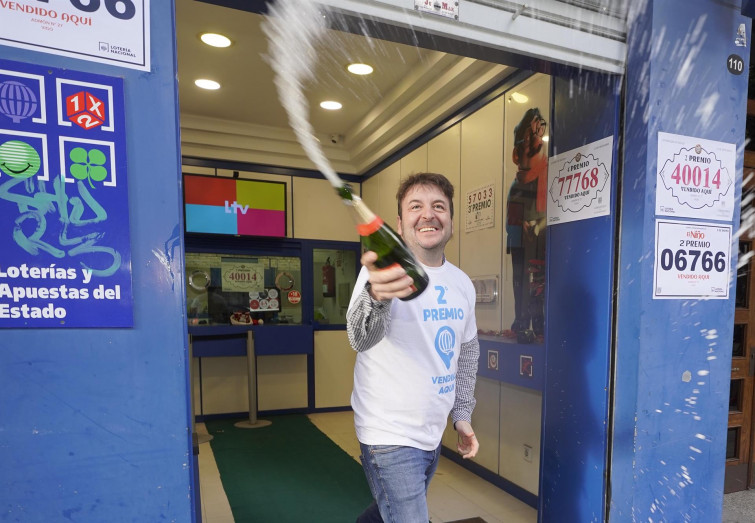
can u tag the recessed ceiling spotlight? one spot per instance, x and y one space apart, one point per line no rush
360 69
519 97
215 40
207 84
330 105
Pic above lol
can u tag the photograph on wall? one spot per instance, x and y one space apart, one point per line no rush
695 178
692 260
526 185
579 184
65 254
109 32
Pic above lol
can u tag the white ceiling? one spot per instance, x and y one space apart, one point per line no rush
411 90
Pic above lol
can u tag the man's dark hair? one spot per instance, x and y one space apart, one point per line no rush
429 179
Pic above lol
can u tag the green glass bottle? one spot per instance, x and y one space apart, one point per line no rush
378 237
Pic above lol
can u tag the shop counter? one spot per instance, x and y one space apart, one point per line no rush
269 340
510 362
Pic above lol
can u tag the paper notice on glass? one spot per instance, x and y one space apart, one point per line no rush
579 183
692 260
480 208
239 275
695 178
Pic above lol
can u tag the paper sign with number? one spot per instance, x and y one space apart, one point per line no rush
579 183
695 178
242 276
692 260
107 31
480 208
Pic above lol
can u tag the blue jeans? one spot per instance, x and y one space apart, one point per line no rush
398 478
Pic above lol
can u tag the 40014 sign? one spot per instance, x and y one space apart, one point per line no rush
692 260
695 178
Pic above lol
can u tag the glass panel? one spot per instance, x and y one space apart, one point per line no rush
743 278
334 278
525 177
740 337
226 289
732 443
735 395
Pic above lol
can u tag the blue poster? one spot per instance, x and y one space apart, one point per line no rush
65 255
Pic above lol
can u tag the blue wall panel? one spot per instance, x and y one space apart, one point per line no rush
95 422
579 317
673 356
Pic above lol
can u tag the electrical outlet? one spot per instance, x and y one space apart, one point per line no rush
527 453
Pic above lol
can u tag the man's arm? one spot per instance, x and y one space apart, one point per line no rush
461 414
367 320
466 376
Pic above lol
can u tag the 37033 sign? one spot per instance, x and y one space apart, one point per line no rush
695 178
692 260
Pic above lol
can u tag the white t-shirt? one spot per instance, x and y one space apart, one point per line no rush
404 386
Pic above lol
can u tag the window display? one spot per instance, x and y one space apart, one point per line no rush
335 275
226 289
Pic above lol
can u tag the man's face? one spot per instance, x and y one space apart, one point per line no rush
426 224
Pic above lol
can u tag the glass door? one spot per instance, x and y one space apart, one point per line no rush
739 439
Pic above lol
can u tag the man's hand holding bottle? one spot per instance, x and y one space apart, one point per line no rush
390 282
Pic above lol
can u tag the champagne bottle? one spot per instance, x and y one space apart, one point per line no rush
378 237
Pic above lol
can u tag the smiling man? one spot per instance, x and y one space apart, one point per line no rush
417 359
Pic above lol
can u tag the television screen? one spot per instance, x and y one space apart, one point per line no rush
232 206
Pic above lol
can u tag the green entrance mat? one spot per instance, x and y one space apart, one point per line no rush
287 472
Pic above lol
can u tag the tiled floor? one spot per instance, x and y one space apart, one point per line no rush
455 493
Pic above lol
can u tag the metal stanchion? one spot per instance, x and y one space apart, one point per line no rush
251 365
204 437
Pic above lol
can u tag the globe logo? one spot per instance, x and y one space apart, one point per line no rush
17 101
445 340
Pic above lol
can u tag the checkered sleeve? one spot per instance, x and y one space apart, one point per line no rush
367 321
466 376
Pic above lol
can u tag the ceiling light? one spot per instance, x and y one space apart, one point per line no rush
546 138
215 40
207 84
519 97
360 69
330 105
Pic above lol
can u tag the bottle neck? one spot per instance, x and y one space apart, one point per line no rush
367 221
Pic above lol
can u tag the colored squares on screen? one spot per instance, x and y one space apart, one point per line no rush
236 207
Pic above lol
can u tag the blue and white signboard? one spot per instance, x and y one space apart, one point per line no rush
65 257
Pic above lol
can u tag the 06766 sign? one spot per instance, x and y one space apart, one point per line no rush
692 260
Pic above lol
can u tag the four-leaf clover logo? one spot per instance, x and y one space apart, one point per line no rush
88 165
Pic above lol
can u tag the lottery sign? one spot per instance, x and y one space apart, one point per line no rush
692 260
242 276
480 209
579 183
106 31
65 254
695 178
